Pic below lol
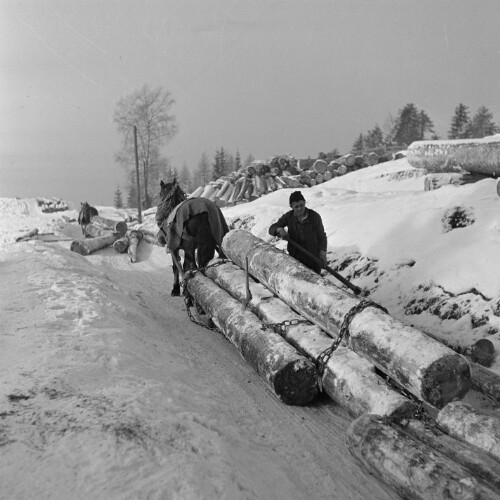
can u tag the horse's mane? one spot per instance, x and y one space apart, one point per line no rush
171 195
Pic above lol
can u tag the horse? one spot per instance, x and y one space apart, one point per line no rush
86 213
194 225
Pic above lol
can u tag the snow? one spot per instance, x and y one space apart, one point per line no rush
107 390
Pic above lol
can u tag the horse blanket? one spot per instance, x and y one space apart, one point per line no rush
173 225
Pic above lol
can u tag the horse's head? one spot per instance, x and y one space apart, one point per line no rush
172 192
166 188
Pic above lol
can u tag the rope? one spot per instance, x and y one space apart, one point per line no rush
325 356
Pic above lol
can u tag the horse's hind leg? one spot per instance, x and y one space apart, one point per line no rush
205 242
176 289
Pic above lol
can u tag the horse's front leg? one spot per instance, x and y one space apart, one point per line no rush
176 289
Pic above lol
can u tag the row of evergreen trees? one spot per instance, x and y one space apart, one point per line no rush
412 124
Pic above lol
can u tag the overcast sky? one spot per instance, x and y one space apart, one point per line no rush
262 77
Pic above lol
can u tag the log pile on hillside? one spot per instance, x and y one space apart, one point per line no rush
49 205
263 177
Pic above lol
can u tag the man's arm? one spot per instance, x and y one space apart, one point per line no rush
322 241
278 228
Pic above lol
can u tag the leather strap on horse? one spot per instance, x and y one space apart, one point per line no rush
324 357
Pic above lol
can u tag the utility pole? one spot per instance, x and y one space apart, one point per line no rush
137 176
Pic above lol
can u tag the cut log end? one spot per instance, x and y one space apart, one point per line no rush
297 383
445 380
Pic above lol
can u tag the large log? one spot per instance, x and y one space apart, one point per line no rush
319 166
86 247
480 156
429 370
93 230
348 379
480 463
134 237
292 377
121 244
27 235
469 424
411 467
197 192
109 224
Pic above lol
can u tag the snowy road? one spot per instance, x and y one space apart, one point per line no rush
109 391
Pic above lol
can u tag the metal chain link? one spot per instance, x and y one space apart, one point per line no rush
280 327
324 357
190 274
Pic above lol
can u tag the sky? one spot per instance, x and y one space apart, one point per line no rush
259 77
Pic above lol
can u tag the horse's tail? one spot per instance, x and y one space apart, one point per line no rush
205 242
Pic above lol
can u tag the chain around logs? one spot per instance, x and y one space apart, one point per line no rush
281 327
324 357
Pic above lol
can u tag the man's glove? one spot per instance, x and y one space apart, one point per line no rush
282 233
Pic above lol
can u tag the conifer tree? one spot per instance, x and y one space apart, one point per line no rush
359 145
411 125
374 139
202 175
460 123
237 161
482 123
220 164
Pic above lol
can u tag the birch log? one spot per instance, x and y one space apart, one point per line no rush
480 463
429 370
27 235
86 247
121 244
292 377
109 224
485 381
480 156
348 379
411 467
134 237
197 192
467 423
93 231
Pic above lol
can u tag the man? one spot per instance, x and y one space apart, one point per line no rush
305 227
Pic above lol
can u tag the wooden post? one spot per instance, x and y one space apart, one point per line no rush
426 368
134 237
138 182
411 467
348 379
291 377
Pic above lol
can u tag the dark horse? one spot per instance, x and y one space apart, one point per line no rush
85 216
194 225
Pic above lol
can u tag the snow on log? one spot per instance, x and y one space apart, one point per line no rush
121 244
319 166
348 160
480 156
109 224
411 467
477 461
348 379
134 237
429 370
467 423
485 381
86 247
292 377
197 192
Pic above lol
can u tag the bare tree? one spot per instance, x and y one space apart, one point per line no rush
150 111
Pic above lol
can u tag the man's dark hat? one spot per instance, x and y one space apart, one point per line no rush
296 196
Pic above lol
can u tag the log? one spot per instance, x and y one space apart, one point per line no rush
469 424
411 467
93 230
342 169
86 247
485 381
319 166
348 379
121 244
372 159
244 187
319 179
429 370
483 352
207 191
477 461
290 182
197 192
480 156
28 235
435 181
279 183
271 185
112 225
259 185
327 176
134 237
347 160
227 194
358 161
292 378
222 190
305 164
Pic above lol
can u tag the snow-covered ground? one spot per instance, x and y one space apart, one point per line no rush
107 390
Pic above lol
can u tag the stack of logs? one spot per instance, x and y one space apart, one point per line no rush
52 205
282 316
260 178
102 232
